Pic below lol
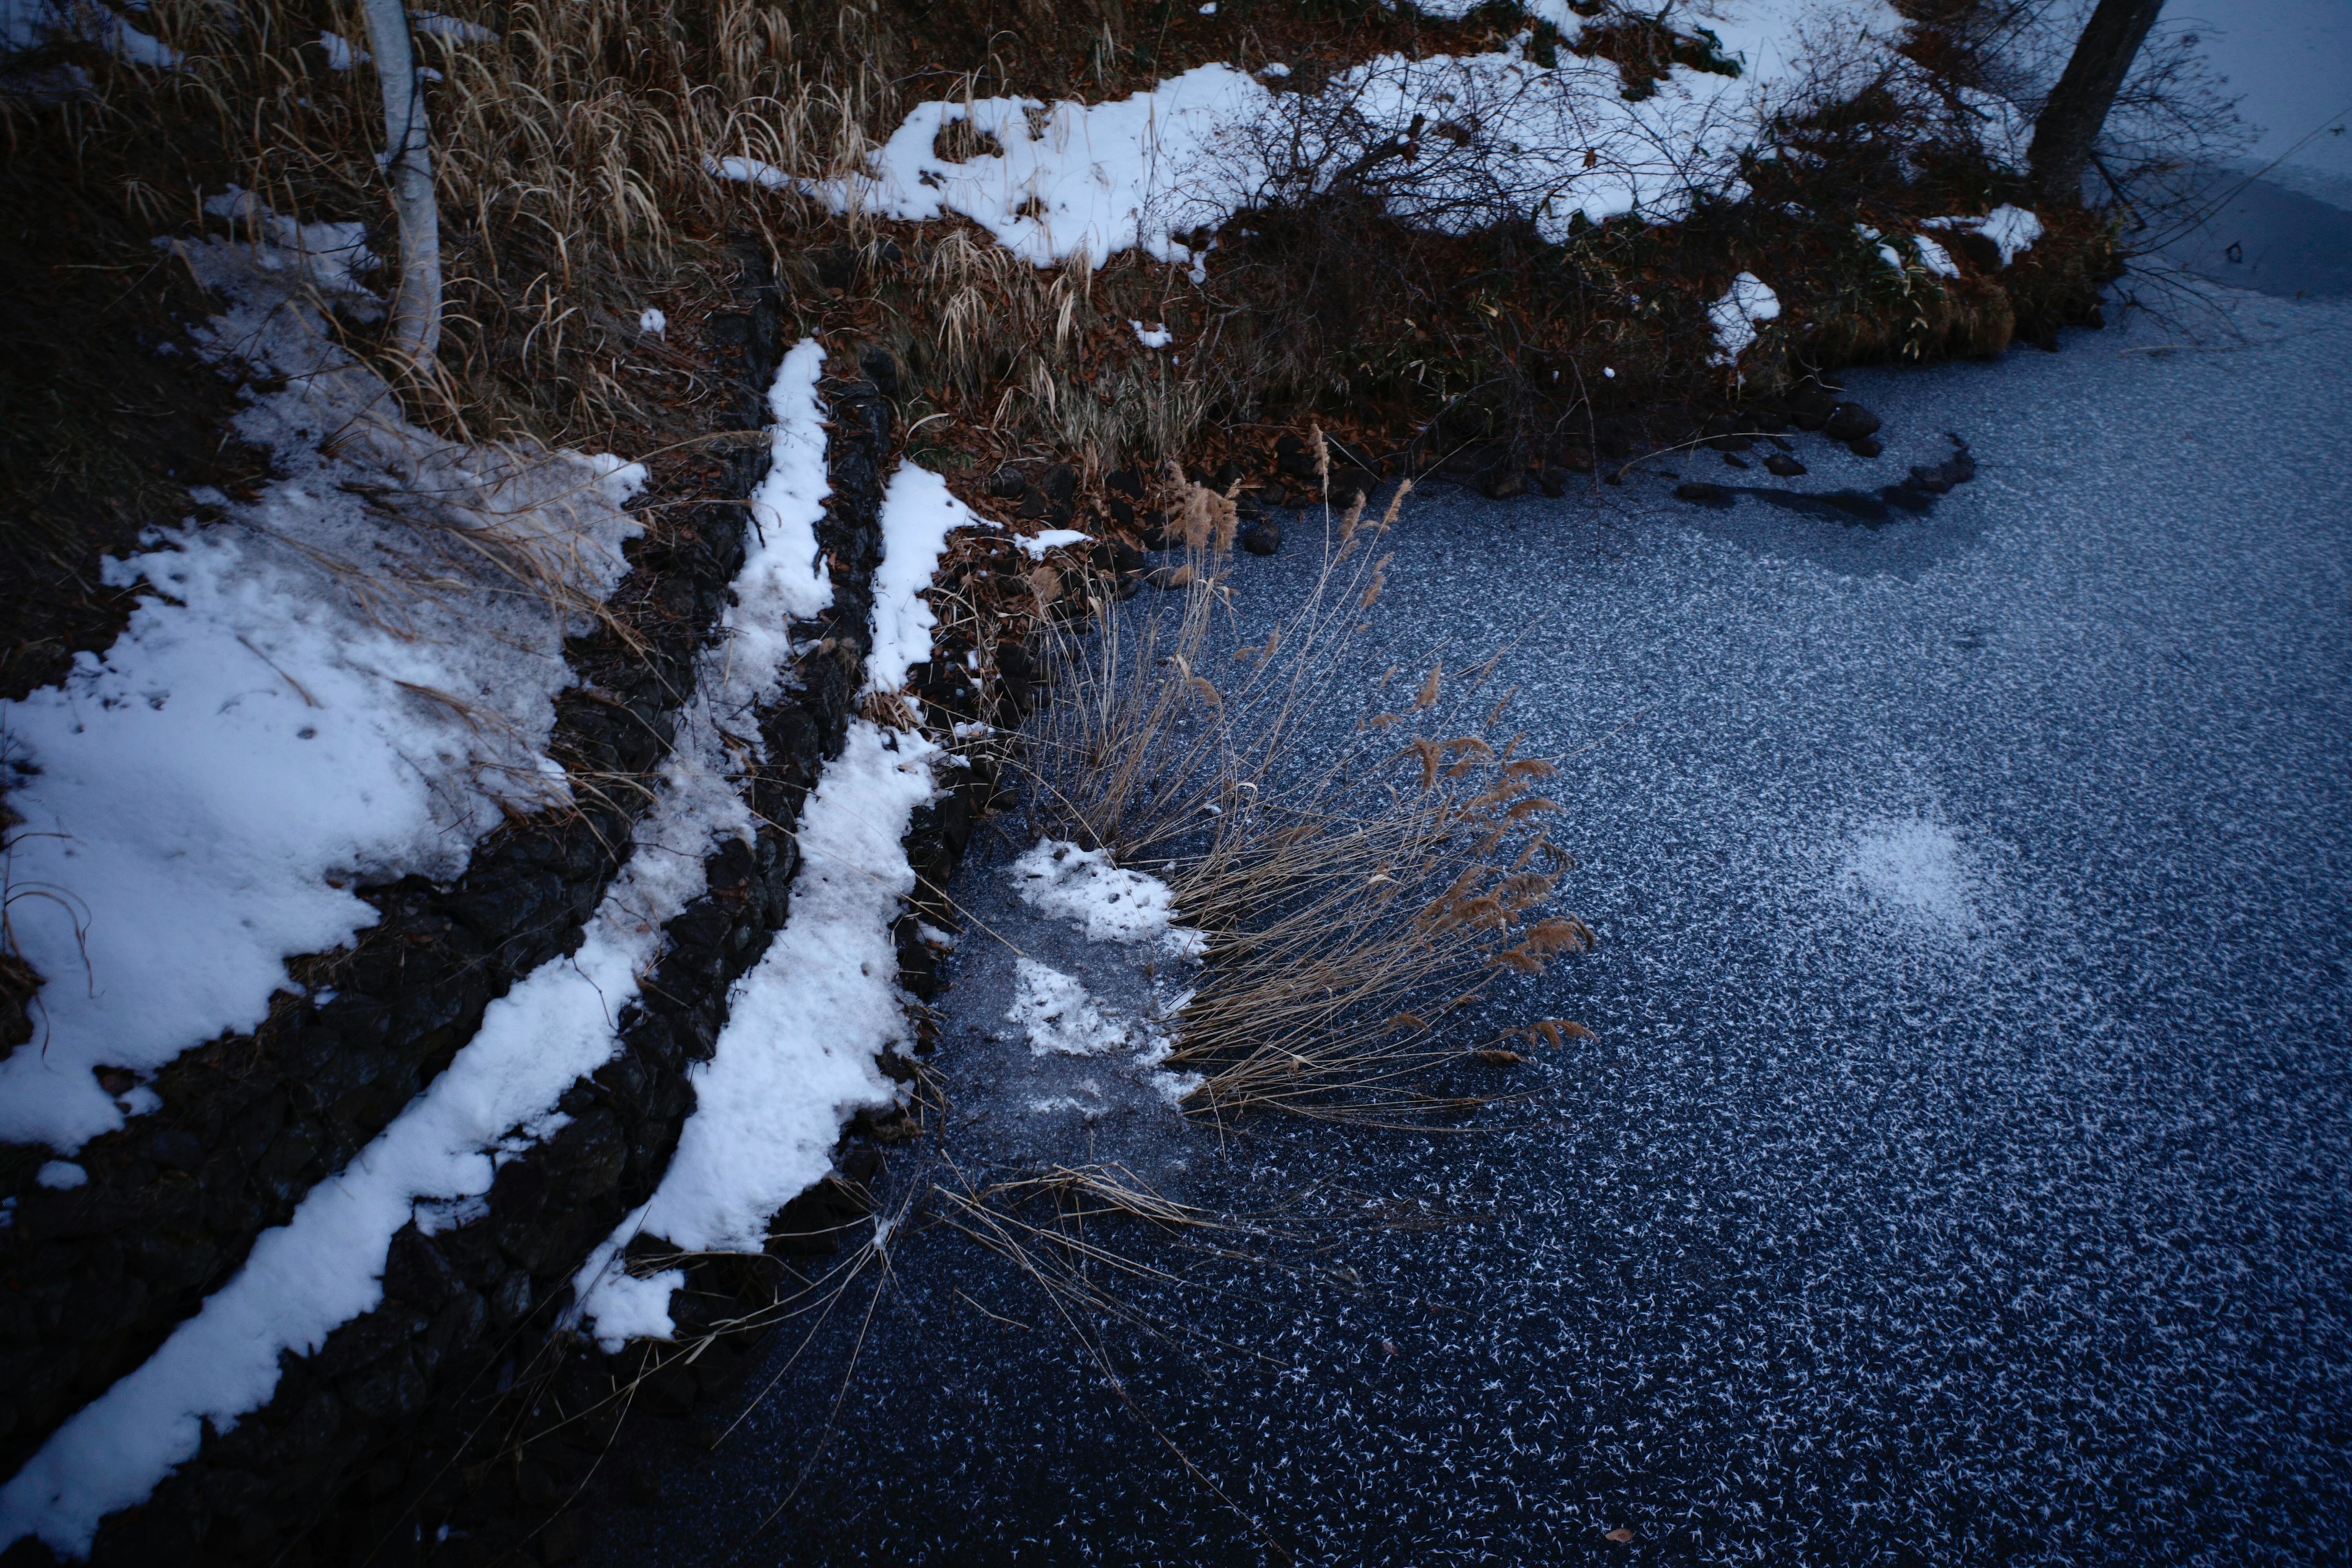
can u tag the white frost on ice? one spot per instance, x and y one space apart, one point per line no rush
918 512
327 689
805 1030
1733 318
434 1163
1913 869
1110 904
1132 917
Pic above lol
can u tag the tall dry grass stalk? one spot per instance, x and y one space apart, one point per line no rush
1361 881
572 144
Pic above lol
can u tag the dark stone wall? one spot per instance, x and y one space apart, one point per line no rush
397 1439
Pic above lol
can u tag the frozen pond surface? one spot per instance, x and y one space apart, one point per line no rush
1961 1171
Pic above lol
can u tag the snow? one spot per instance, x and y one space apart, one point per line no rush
1551 142
651 320
918 512
340 55
804 1027
1153 337
1734 317
1038 544
305 1278
31 24
1111 904
2012 229
336 690
784 578
61 1175
436 1161
1935 257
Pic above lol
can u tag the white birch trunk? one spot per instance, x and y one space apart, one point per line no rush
415 327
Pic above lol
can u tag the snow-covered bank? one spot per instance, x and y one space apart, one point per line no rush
497 1097
1512 137
348 679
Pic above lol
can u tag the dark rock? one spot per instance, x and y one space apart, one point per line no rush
1938 478
1906 498
1700 490
1576 459
565 1540
511 1300
1850 422
1347 484
1724 434
1788 468
173 1147
1228 475
1865 447
1125 557
1503 484
1006 484
1127 481
1735 459
1058 481
1262 540
881 369
1034 505
1552 481
393 1387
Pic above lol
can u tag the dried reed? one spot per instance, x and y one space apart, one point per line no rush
1356 894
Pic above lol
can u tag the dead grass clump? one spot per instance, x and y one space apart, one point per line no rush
1354 902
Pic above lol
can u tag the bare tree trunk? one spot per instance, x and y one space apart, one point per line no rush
416 328
2078 105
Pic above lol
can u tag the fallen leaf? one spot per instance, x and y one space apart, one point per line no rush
1619 1536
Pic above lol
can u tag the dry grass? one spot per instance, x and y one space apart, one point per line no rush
1356 897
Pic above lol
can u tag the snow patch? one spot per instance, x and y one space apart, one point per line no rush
1037 545
1734 317
918 512
783 577
1060 1015
1153 337
1082 886
2012 230
1553 142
